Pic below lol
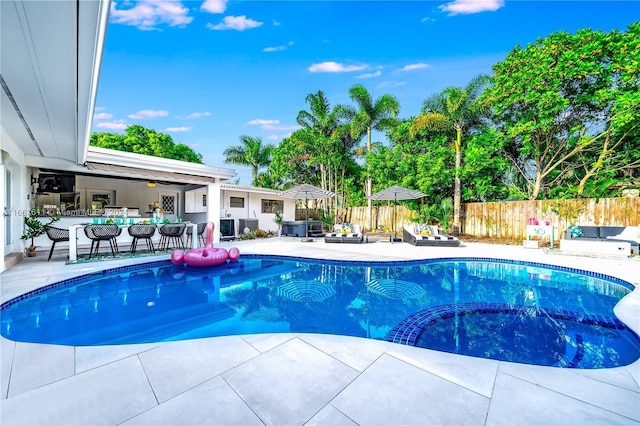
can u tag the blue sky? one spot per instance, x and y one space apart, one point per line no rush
206 72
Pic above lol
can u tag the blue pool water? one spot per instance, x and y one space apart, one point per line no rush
514 311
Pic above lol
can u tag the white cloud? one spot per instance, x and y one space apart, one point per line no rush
287 128
238 23
148 14
276 24
193 115
278 48
427 19
148 113
391 84
336 67
274 137
413 67
177 129
102 116
466 7
113 125
214 6
261 122
370 74
272 125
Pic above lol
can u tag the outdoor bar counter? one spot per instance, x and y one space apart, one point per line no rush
77 237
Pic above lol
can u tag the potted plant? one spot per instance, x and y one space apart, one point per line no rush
34 228
278 220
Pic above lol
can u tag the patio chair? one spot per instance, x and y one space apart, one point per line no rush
57 235
347 233
141 231
172 233
102 232
201 227
428 235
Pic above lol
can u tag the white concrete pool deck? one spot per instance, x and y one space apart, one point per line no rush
310 379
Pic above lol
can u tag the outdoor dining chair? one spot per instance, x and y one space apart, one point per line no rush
56 235
102 232
171 233
142 231
200 228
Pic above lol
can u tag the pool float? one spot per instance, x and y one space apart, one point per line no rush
207 255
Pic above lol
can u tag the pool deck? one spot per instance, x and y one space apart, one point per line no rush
307 379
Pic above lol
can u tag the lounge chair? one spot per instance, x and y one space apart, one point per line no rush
426 235
345 233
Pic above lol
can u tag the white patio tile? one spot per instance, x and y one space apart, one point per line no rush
211 403
330 416
7 348
289 384
518 402
357 353
577 386
36 365
476 374
266 342
88 357
176 367
104 396
392 392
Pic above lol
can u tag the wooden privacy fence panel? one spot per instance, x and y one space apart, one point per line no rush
509 219
382 215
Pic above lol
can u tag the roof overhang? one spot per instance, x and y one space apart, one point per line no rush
50 61
248 189
108 162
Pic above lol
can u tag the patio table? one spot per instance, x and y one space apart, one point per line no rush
73 234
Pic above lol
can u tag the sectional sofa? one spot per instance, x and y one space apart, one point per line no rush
605 240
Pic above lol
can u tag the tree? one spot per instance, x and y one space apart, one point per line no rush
140 140
251 152
371 115
569 105
459 109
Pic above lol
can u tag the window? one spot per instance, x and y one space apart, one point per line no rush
236 202
272 206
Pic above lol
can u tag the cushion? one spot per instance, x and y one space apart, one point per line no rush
630 233
347 228
434 230
420 227
590 231
575 231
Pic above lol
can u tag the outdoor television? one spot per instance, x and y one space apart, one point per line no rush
56 183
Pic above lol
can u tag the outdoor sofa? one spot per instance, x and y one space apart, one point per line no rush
606 240
427 235
345 233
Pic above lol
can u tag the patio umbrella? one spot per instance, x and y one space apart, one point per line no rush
306 291
306 192
396 193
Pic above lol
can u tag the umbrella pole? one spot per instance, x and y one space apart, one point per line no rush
306 238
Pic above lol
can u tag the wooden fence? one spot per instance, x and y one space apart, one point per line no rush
508 219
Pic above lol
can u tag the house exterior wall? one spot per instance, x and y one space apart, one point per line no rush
16 202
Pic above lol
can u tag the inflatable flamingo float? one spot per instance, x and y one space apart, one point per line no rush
207 255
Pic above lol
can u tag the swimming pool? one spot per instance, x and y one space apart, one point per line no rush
514 311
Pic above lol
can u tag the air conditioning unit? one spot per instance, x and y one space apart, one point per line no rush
252 224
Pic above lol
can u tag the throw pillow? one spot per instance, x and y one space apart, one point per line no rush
575 231
346 228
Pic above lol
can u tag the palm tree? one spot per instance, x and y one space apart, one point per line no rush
457 109
372 114
251 153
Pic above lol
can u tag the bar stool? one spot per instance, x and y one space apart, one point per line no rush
97 233
57 235
141 231
171 232
200 229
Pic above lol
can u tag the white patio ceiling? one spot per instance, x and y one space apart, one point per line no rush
50 59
